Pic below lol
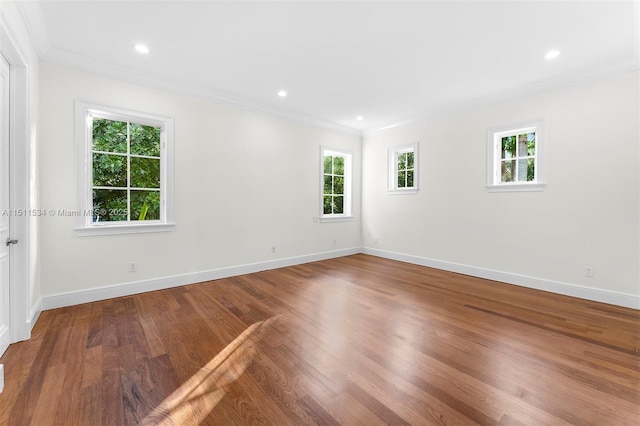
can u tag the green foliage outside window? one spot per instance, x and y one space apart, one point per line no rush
517 160
126 171
333 192
405 168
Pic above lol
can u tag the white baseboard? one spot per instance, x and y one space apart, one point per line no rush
597 295
101 293
34 314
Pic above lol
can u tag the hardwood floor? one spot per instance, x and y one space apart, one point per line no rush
356 341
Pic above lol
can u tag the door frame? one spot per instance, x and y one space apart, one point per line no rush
22 176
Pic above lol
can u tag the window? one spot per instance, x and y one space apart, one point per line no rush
514 156
336 184
403 169
125 175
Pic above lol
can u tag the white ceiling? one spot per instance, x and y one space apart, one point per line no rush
390 62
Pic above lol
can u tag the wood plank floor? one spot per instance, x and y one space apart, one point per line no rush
357 341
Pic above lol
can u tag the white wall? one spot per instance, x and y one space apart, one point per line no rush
244 181
588 214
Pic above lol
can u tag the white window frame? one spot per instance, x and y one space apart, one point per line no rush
494 136
84 147
348 175
393 169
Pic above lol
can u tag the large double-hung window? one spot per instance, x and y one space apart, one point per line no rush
125 170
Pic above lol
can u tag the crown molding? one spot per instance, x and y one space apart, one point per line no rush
68 59
539 87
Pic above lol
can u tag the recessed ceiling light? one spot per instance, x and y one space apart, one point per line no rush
282 94
359 118
552 54
141 48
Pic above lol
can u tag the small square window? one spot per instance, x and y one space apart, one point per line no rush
514 157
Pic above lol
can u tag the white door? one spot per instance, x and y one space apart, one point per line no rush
5 334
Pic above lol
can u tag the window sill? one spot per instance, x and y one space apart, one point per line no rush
403 191
93 230
517 187
336 219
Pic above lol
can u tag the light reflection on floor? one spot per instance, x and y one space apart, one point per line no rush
192 402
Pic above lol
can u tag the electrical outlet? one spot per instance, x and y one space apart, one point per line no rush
588 271
133 266
333 242
273 249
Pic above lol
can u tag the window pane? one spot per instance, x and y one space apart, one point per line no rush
327 204
338 204
328 162
410 179
410 160
109 170
522 170
145 140
523 145
145 205
109 205
402 161
328 184
338 166
508 170
508 147
402 179
531 169
338 185
109 136
531 144
145 172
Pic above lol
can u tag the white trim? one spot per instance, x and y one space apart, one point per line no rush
517 187
402 191
35 313
110 70
598 295
545 86
335 218
22 178
94 230
60 300
101 293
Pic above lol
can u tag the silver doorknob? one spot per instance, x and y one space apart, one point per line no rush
10 241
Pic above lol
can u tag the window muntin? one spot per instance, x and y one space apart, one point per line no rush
336 184
125 164
514 156
403 169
